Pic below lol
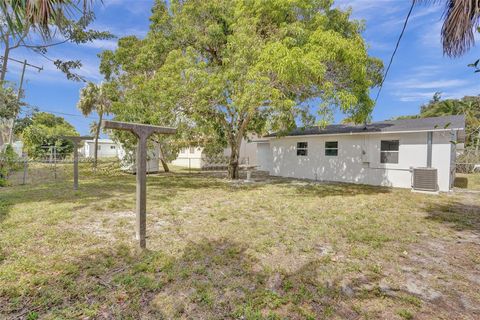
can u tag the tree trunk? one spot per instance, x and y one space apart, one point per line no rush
233 163
164 165
6 54
162 159
97 134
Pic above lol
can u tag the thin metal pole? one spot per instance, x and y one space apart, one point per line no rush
55 161
429 148
75 165
20 88
25 169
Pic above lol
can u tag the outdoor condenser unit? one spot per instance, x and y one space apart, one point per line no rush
425 179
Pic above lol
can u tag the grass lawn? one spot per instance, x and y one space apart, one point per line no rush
469 181
219 250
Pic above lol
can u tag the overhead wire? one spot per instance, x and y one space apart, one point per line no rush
395 50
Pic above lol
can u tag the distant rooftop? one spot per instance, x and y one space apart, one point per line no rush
101 141
419 124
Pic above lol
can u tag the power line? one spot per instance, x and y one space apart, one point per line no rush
395 50
66 114
24 63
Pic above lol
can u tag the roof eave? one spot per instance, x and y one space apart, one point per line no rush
364 133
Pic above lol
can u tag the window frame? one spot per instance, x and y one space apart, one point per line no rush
191 150
303 149
331 149
388 151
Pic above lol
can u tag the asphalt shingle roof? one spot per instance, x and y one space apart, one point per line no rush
419 124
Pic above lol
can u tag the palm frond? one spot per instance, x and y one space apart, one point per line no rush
461 18
40 15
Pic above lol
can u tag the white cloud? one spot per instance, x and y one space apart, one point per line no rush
102 44
420 83
429 84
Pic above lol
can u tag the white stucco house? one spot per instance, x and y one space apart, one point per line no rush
107 148
127 159
195 157
415 153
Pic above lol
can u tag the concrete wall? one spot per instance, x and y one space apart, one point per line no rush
358 159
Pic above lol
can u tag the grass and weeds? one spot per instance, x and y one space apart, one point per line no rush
469 181
273 249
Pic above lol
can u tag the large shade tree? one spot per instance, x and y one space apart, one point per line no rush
238 67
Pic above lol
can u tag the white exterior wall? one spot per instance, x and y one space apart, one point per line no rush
197 158
107 149
247 154
351 166
187 158
153 160
264 157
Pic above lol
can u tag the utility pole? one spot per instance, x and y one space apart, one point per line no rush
20 88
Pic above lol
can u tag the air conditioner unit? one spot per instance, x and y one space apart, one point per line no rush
425 179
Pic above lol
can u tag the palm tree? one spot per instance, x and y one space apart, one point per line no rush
460 20
96 98
39 14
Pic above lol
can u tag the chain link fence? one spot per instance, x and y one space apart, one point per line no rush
209 163
468 161
58 168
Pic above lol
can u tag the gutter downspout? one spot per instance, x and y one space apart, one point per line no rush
429 148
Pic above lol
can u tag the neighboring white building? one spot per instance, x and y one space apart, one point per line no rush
18 147
107 148
195 157
128 160
382 153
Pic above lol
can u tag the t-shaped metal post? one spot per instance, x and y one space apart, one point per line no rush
142 131
76 140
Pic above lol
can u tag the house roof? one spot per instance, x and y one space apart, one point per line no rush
101 141
405 125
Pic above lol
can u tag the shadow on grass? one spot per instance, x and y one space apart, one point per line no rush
328 189
4 207
209 280
98 189
461 216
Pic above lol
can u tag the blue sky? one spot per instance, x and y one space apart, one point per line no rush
418 71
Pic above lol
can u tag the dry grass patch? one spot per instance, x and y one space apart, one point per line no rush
282 249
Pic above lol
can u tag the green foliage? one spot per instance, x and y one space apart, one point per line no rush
469 106
221 70
45 131
8 163
98 98
9 103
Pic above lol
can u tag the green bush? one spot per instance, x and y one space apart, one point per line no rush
8 163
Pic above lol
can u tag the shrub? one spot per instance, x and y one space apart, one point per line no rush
8 163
